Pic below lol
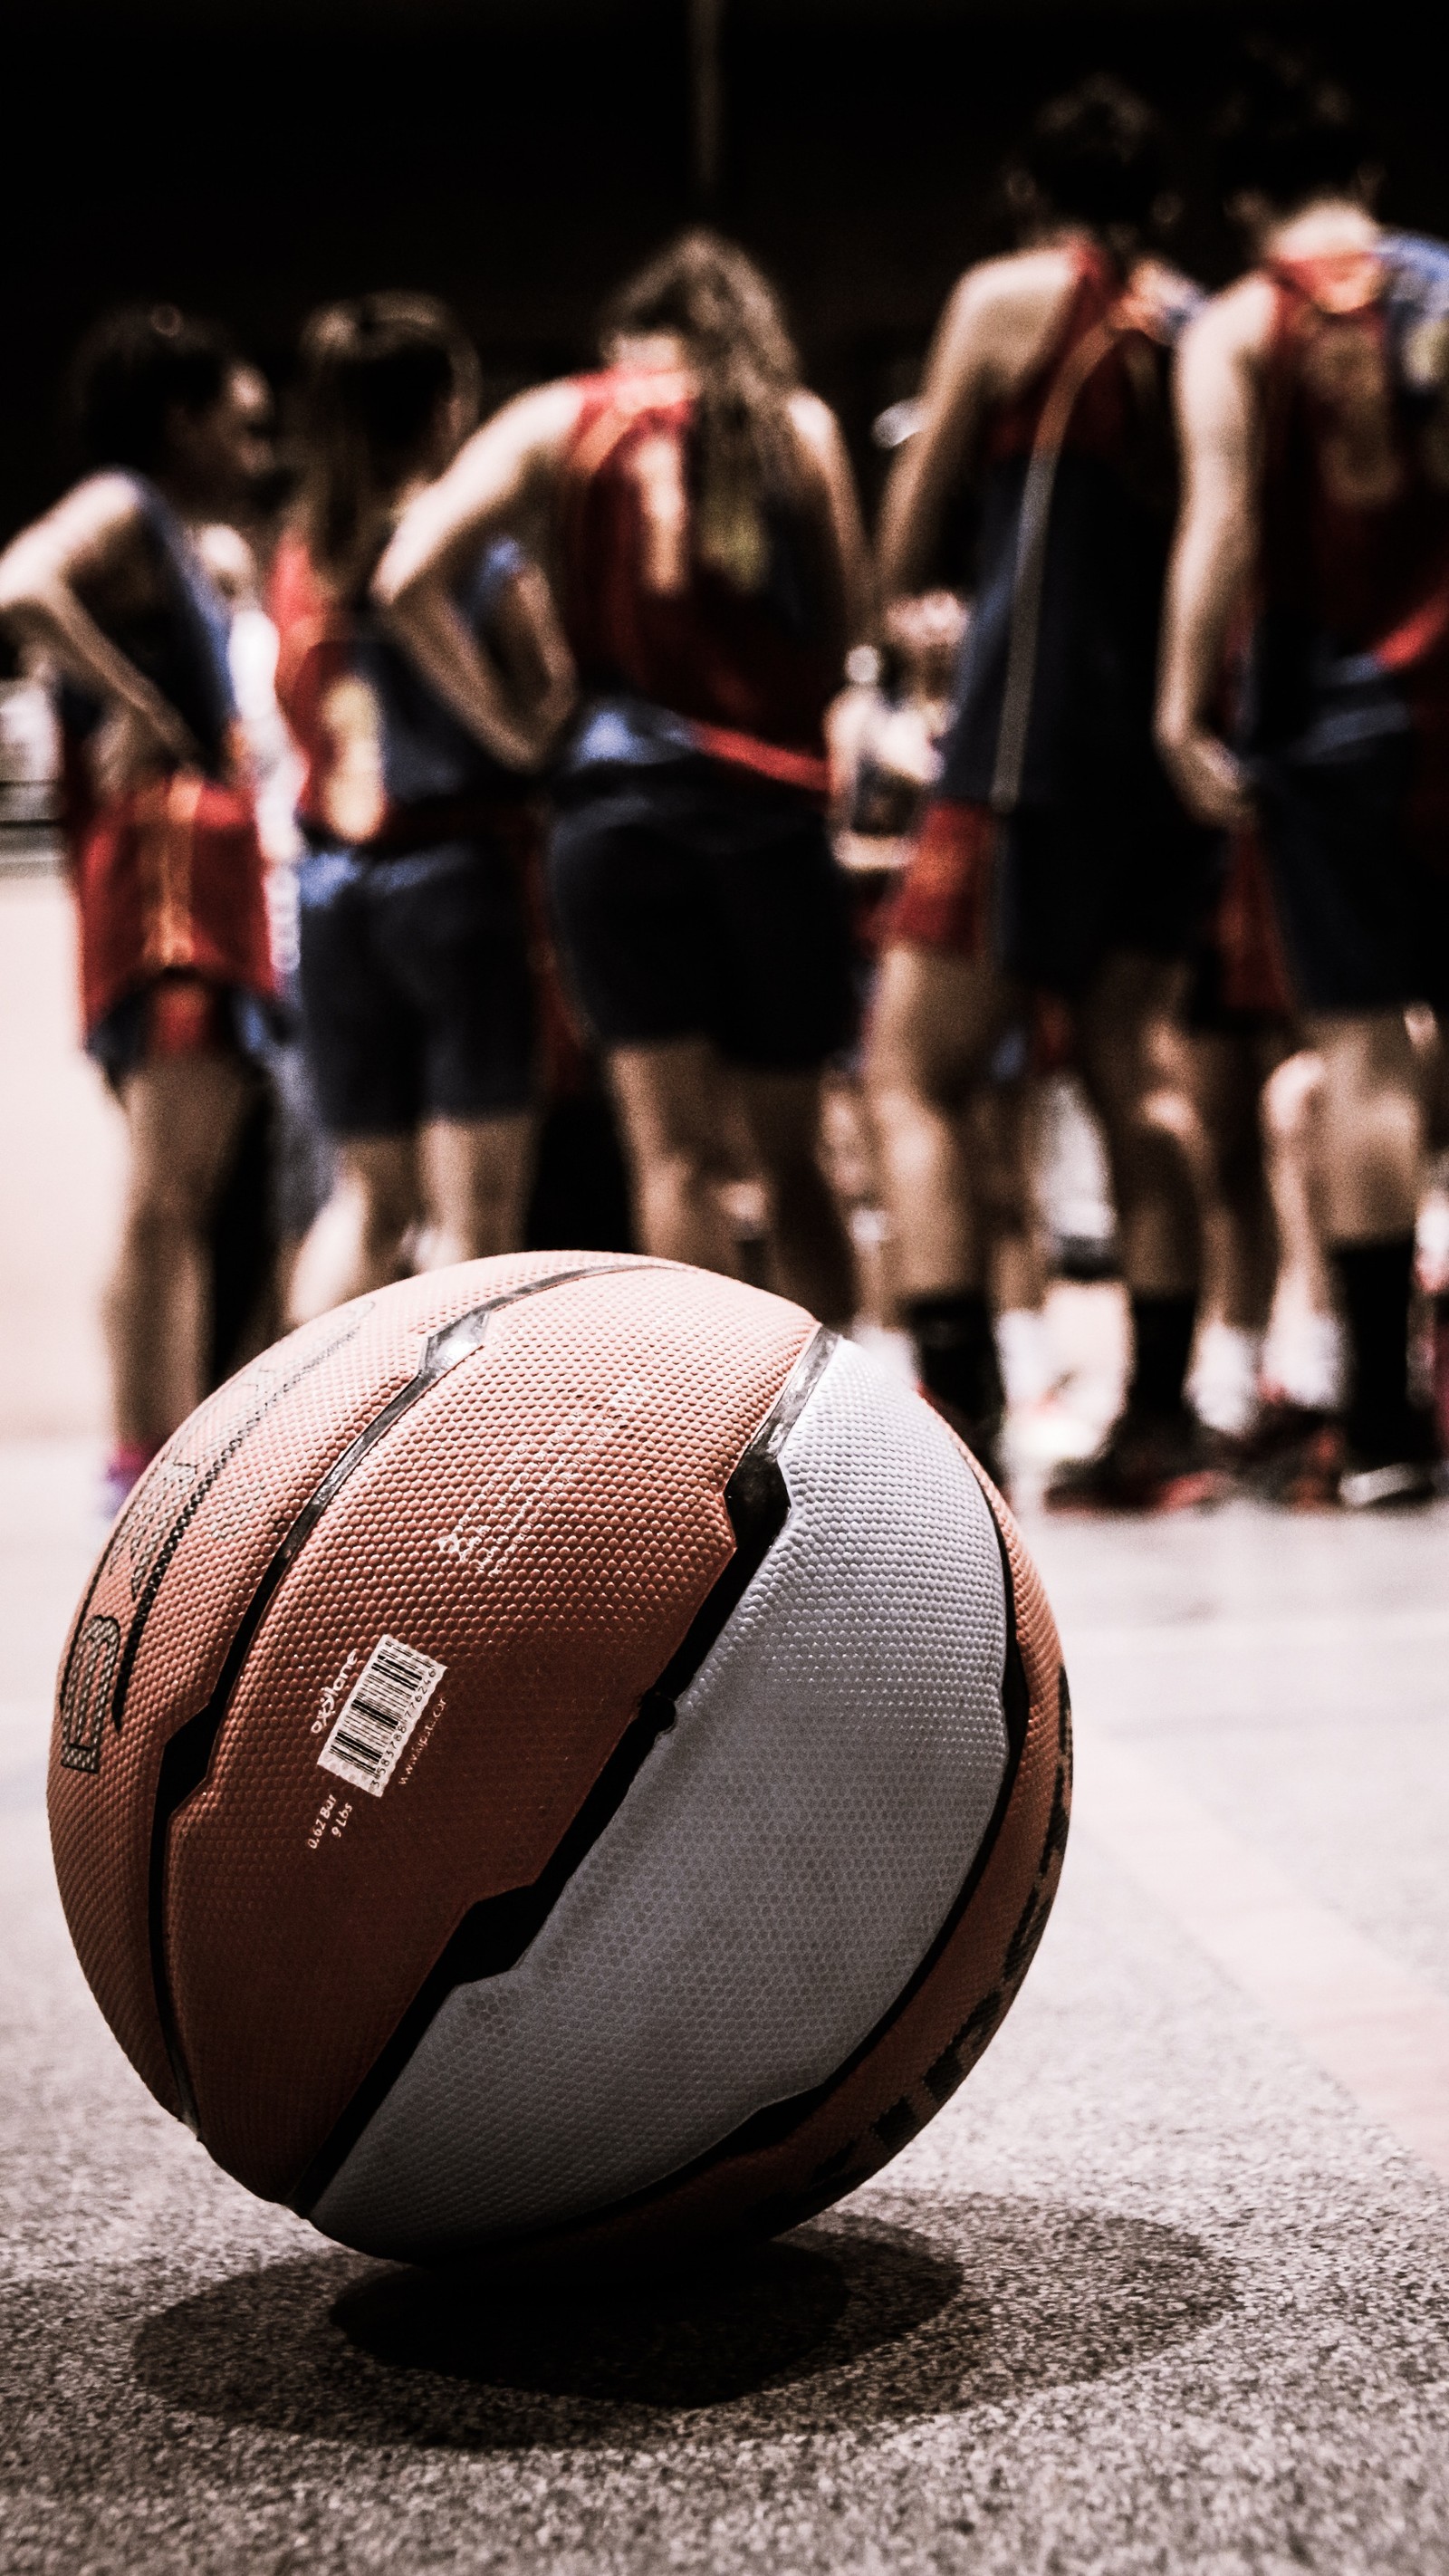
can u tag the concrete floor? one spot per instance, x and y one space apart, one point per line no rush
1158 2291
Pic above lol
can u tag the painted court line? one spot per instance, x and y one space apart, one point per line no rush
1361 2016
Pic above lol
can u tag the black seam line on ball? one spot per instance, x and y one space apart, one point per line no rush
186 1514
187 1758
770 2127
494 1934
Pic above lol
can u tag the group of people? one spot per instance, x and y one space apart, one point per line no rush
565 692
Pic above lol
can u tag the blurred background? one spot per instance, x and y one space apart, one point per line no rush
251 158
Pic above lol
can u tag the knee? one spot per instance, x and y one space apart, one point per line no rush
1142 1124
909 1082
1291 1098
675 1167
381 1212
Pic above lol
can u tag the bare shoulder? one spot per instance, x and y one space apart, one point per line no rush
91 534
1001 315
1020 277
1016 291
93 518
1232 327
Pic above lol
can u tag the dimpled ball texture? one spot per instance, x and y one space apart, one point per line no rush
560 1760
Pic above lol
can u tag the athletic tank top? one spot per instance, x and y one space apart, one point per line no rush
386 765
1055 690
180 645
677 654
1349 674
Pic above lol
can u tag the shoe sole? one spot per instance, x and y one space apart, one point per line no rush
1377 1489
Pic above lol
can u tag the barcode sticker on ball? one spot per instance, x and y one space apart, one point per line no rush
379 1714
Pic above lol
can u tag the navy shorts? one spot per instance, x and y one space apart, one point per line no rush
1363 919
1075 890
417 1000
1051 896
699 906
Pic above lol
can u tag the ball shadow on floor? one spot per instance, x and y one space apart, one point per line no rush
909 2306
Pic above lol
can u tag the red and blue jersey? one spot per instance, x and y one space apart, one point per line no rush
169 874
680 650
387 766
1054 697
1348 691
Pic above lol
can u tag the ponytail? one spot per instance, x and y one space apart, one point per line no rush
715 300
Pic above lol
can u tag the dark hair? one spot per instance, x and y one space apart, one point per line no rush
745 364
375 372
1287 130
132 370
1099 153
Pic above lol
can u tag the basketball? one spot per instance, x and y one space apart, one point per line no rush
564 1752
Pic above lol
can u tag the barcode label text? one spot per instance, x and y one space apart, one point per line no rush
378 1715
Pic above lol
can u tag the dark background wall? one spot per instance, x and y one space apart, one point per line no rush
516 155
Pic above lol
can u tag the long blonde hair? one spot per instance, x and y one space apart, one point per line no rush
710 295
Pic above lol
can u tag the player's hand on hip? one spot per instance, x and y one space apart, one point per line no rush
1210 781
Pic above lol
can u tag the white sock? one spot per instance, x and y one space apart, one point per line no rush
1222 1386
1023 1347
1304 1360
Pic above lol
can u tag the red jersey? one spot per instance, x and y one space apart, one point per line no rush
169 875
1356 469
1102 389
388 767
1054 695
740 653
1354 561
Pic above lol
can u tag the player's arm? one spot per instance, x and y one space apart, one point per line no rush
836 506
92 537
503 472
991 337
1219 424
531 649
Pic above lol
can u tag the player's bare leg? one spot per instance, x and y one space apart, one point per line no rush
1154 1458
183 1116
1225 1071
475 1176
936 1019
670 1107
1372 1130
1147 1123
1003 1144
359 1240
1227 1075
809 1250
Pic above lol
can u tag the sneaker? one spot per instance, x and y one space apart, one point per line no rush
1397 1473
1147 1463
1292 1458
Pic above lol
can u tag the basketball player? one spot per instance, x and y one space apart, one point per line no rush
1315 419
1054 857
705 544
111 587
414 968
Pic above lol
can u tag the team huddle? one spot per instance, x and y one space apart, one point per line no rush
564 695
